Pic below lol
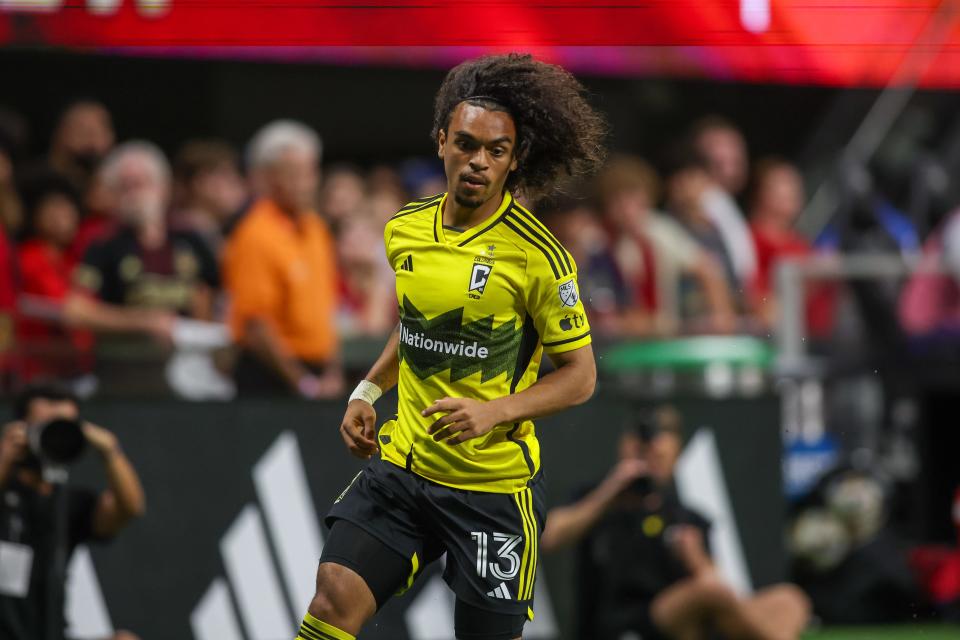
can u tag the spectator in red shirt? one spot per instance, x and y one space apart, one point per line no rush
45 265
777 201
368 302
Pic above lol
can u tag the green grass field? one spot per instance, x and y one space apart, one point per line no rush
917 632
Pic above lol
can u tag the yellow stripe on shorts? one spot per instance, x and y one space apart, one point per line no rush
527 549
534 546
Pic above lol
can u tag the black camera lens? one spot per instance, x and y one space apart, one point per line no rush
60 440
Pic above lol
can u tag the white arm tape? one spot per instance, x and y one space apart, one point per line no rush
366 391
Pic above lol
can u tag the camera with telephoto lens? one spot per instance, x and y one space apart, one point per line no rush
57 441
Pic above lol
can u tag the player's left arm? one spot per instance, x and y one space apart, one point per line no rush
570 384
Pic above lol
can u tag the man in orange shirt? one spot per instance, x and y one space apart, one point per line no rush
281 274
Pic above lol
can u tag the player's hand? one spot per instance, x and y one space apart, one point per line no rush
465 418
13 444
358 429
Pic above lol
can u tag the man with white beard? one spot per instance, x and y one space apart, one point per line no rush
143 275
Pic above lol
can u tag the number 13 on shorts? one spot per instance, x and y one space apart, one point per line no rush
511 558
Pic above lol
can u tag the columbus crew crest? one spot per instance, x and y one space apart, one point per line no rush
479 277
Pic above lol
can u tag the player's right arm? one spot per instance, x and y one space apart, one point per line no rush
359 426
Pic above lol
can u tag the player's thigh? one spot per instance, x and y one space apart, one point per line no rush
358 572
473 623
375 530
492 547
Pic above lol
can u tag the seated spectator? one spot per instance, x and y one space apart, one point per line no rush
643 560
368 302
686 187
602 287
210 191
47 349
776 203
280 272
723 148
143 275
653 252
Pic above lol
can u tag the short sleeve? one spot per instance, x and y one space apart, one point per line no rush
554 302
387 237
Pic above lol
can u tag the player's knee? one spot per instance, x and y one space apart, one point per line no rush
714 594
794 600
332 602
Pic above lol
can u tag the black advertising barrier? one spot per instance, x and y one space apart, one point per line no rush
197 463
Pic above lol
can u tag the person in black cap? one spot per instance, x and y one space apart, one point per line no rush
643 559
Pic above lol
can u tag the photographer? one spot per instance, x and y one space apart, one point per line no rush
27 510
643 562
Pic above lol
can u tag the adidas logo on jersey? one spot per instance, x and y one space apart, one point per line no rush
407 264
501 592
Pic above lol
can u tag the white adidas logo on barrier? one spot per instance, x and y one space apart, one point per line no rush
270 608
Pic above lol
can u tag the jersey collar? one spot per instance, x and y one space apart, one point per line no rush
469 234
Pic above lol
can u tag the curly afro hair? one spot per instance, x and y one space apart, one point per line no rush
559 135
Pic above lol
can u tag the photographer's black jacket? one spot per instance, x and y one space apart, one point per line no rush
27 518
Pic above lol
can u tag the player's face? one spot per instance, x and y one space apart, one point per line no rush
478 153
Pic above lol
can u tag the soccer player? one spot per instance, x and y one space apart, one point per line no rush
484 290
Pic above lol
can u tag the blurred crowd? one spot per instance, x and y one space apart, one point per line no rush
104 240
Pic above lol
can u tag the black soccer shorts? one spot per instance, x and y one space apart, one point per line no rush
490 539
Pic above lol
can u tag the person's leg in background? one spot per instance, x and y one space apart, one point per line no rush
784 605
692 607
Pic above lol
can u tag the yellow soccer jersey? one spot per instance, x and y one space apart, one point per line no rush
477 310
